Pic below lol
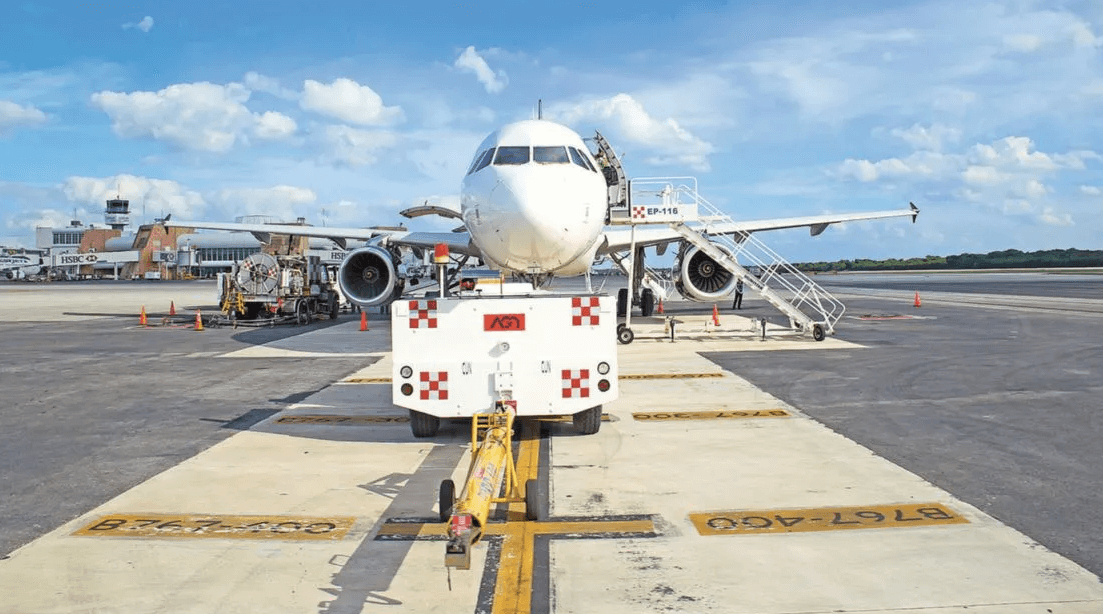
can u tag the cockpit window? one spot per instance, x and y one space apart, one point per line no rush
482 161
578 158
550 155
512 155
475 161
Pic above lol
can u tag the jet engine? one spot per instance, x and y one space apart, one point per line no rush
698 277
368 276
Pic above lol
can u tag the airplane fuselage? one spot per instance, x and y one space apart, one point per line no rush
533 200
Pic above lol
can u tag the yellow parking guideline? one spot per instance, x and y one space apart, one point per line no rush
223 526
330 419
759 522
727 414
625 376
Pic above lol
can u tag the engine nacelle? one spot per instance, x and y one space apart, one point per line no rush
368 276
698 277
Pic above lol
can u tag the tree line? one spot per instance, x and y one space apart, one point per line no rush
1005 259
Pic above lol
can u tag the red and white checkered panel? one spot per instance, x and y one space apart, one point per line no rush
434 385
638 212
423 314
576 383
585 311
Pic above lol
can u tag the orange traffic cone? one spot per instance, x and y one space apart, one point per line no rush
198 320
918 303
142 317
172 308
715 316
363 320
660 306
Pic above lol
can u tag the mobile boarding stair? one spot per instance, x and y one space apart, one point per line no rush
810 309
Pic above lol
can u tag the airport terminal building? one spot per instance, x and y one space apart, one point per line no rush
154 251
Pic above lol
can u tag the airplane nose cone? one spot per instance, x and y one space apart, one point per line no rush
540 233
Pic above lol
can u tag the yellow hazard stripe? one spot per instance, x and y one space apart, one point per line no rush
759 522
222 526
328 419
728 414
630 376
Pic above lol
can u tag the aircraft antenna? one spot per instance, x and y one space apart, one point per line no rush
539 108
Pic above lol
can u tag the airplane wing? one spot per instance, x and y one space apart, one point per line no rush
458 242
619 239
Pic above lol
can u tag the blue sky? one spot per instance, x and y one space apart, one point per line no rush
986 114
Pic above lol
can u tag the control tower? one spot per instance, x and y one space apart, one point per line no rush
117 214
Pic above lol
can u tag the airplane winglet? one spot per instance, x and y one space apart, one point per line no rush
915 212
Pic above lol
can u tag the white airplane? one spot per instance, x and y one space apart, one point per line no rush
533 204
20 266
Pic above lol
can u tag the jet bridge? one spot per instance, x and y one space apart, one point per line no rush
675 201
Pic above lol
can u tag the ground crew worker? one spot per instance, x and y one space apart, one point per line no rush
738 302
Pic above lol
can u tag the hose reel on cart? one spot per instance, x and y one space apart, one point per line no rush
259 273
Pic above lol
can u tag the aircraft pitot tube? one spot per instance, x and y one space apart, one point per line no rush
700 278
368 276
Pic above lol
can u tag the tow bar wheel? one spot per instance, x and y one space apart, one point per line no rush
447 499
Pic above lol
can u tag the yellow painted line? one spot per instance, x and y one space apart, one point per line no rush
219 526
668 375
323 419
580 527
604 418
658 416
758 522
513 587
414 529
366 380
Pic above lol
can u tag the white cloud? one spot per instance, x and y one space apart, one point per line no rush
348 101
671 143
932 138
272 125
261 83
203 116
1053 218
356 147
1090 190
471 61
12 114
145 25
980 164
1082 35
157 196
283 202
1023 42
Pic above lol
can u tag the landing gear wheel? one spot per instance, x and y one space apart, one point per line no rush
423 425
625 335
532 500
447 499
647 302
817 332
588 421
622 302
302 313
334 308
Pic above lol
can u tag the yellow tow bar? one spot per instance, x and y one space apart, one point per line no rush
491 462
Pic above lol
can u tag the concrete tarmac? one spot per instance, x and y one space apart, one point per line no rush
725 480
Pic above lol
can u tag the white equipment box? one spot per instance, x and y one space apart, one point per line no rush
540 354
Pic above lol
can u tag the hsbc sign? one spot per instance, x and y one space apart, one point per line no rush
75 259
93 258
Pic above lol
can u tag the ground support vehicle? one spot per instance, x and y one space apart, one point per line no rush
502 344
291 288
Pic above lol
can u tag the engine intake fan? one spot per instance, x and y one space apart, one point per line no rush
368 276
700 278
